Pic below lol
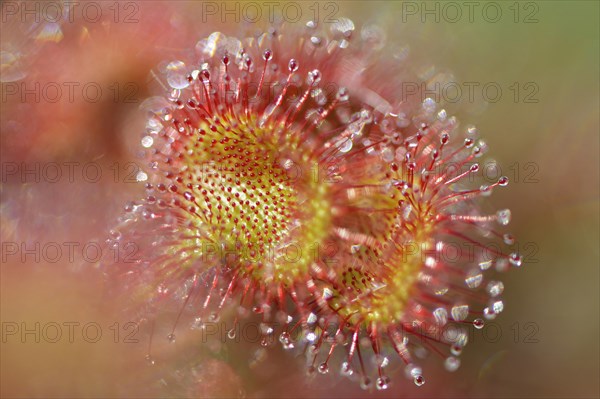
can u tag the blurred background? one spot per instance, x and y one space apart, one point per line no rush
71 91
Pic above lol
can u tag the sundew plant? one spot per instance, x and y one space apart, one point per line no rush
290 179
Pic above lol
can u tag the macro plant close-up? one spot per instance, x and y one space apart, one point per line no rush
299 199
